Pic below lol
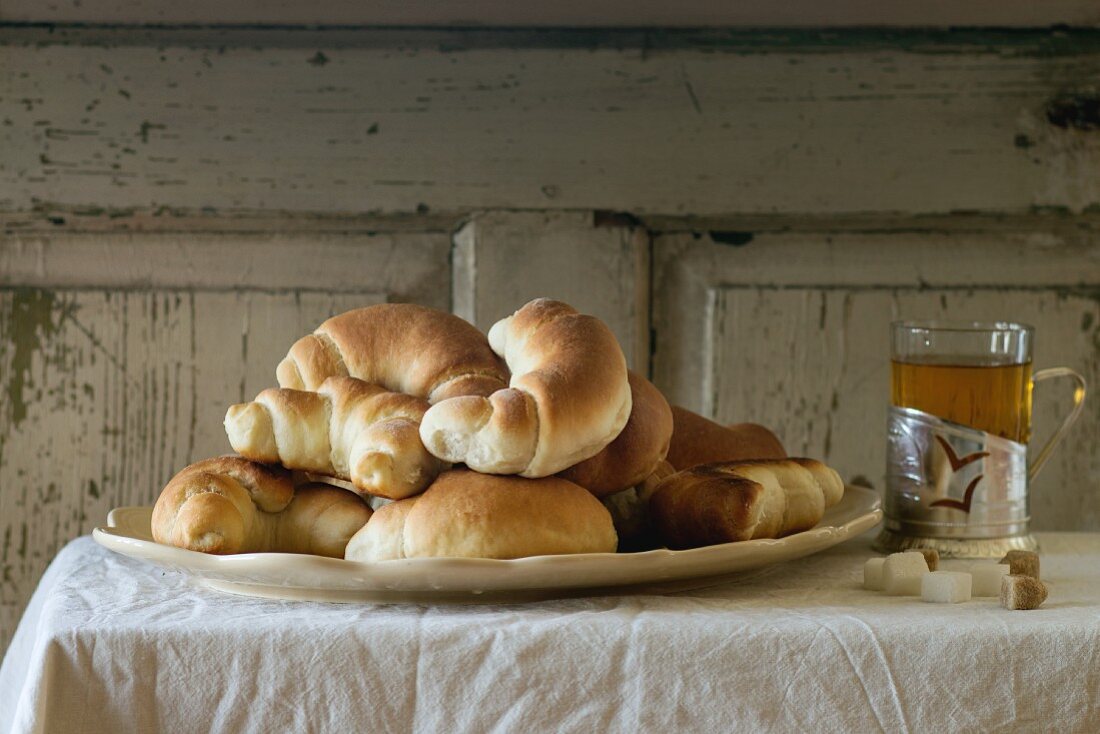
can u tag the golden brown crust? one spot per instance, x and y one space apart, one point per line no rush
203 512
383 537
568 397
310 361
725 502
697 440
270 487
827 478
232 505
795 500
648 486
636 452
470 515
578 380
320 520
348 429
404 347
705 508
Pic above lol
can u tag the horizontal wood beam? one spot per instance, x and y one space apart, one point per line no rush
803 125
563 13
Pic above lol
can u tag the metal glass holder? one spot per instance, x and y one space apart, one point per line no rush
890 541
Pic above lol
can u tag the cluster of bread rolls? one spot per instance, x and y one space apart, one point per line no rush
232 505
489 446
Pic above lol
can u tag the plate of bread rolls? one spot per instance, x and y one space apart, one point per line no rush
406 456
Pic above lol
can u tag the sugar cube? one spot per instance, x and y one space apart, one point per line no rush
902 572
931 556
945 587
1022 563
872 574
987 578
1022 592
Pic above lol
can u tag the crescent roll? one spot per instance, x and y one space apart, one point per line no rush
406 348
348 429
231 505
469 515
567 399
732 501
697 440
636 452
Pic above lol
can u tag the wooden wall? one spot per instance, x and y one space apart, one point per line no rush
747 210
791 123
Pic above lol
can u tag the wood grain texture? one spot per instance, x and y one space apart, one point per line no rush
408 266
564 13
808 126
108 388
792 332
503 260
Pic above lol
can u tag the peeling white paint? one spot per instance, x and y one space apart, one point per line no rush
792 331
108 389
681 131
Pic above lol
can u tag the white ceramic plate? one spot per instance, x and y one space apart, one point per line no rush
290 576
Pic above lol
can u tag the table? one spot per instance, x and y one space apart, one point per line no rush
111 644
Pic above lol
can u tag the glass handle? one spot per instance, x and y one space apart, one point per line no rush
1074 413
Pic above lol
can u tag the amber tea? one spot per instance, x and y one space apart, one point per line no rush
995 398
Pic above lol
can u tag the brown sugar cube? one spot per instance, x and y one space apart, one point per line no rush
931 556
1022 592
1022 563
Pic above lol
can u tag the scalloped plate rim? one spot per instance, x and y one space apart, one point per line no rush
271 574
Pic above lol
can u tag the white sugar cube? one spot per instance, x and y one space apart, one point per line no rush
931 556
945 587
987 578
872 574
902 572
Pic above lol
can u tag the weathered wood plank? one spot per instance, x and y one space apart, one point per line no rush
56 219
733 127
503 260
814 363
107 394
119 354
407 266
793 332
564 13
1056 256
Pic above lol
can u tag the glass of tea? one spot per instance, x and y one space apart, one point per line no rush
957 466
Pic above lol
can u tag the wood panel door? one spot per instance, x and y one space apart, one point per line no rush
120 353
791 330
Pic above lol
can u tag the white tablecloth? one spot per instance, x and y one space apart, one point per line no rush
112 644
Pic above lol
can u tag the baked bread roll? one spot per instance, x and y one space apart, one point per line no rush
348 429
630 512
636 451
385 541
832 486
568 397
733 501
469 515
403 347
232 505
697 440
